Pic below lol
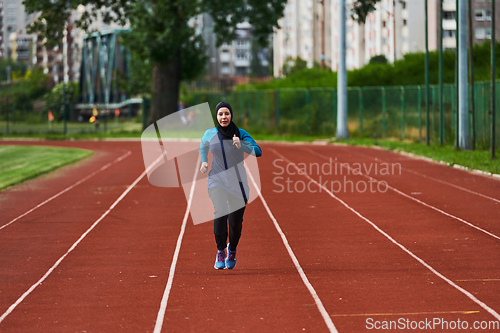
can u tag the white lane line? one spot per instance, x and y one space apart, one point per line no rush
317 300
69 188
414 199
166 293
429 267
39 282
434 179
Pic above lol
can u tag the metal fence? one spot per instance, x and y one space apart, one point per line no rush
383 112
21 121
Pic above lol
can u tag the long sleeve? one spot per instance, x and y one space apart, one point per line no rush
248 144
205 144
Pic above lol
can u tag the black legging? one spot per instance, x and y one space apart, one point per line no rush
223 204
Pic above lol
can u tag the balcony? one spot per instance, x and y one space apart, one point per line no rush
225 57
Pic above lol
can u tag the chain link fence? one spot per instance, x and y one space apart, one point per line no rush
22 120
380 112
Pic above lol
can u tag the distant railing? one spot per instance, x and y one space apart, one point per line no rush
383 112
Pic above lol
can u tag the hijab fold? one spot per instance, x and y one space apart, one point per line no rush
230 130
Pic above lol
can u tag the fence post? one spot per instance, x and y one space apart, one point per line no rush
360 94
242 112
257 105
308 113
402 112
249 111
484 112
277 94
433 111
419 105
144 108
334 100
7 117
453 124
383 112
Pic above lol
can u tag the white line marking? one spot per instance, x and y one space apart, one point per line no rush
434 179
39 282
166 293
317 300
451 283
69 188
415 199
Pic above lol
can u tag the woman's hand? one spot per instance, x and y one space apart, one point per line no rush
236 142
204 167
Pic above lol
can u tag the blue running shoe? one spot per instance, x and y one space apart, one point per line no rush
231 258
219 260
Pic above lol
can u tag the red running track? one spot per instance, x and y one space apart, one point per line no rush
425 249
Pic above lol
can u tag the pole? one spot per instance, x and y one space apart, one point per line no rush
441 110
471 73
322 34
419 103
457 92
7 117
360 94
342 77
493 68
427 93
402 113
383 112
394 28
463 97
65 45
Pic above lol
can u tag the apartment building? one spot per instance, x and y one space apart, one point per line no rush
230 59
296 36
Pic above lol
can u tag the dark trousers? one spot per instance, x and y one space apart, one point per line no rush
227 208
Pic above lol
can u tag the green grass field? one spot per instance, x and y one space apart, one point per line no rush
20 163
477 159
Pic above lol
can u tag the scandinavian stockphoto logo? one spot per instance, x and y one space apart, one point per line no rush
171 153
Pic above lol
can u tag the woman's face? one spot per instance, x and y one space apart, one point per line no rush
224 117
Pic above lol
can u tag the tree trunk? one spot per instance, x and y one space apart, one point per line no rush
166 82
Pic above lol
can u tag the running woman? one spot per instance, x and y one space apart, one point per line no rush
227 180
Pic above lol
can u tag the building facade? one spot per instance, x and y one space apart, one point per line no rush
395 28
231 59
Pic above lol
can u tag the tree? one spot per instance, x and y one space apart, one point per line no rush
361 9
53 99
162 32
378 59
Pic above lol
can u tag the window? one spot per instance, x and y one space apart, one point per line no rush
448 33
11 20
383 24
403 4
488 15
488 33
480 33
448 15
404 22
479 14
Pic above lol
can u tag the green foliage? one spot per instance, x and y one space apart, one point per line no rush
378 59
24 91
406 71
361 8
291 66
54 99
18 69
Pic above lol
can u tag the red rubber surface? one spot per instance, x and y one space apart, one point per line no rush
115 278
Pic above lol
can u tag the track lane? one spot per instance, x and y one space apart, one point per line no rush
370 203
480 212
